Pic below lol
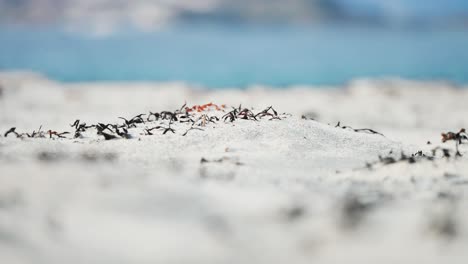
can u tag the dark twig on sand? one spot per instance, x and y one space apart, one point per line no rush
364 130
37 134
57 134
11 131
192 128
149 132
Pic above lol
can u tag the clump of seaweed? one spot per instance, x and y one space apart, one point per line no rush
36 134
458 137
138 119
247 114
195 117
80 128
387 160
270 112
414 158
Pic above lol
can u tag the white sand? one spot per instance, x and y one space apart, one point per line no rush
283 193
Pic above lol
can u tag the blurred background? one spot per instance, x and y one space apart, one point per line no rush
236 43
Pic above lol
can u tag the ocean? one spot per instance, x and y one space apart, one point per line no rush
240 56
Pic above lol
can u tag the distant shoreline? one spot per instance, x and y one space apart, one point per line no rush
229 57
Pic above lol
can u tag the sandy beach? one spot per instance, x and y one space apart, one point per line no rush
353 174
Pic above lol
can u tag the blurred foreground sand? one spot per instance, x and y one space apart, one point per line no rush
291 190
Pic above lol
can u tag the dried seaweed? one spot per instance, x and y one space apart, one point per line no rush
107 136
37 134
138 119
363 130
192 128
164 121
459 138
11 131
57 134
413 158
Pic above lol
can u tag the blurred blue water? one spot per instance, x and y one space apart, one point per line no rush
239 56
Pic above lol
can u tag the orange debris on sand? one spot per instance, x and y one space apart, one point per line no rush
205 107
452 136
